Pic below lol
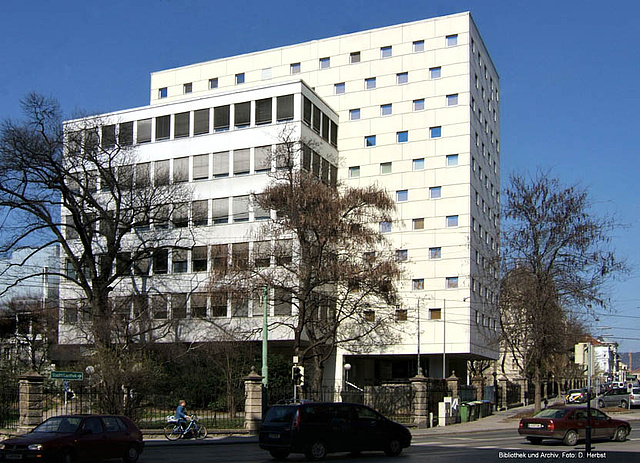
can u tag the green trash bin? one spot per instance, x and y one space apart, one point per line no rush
464 412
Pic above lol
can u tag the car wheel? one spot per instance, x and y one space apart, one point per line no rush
132 454
279 454
68 457
534 440
394 448
570 438
620 434
202 432
172 431
600 404
624 404
317 451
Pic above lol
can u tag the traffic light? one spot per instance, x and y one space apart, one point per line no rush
297 374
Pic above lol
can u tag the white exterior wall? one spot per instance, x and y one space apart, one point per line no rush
194 329
459 64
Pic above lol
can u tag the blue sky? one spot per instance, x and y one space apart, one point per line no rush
568 77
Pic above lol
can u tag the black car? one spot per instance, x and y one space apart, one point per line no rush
71 438
316 429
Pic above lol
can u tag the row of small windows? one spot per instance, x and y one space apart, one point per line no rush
189 123
177 306
417 284
435 253
418 46
371 83
451 221
417 165
402 136
418 105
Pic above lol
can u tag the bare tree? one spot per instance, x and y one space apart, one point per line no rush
322 257
82 188
557 259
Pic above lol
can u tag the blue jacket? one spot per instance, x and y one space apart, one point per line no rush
180 414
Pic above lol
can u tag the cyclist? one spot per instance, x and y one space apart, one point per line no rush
181 414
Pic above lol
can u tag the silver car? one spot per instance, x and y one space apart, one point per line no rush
634 397
614 398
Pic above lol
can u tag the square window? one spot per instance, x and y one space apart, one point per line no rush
354 114
339 88
402 255
418 224
354 171
402 196
402 137
187 88
452 100
354 57
240 78
401 315
435 73
435 132
402 78
162 93
385 227
418 105
386 52
452 221
370 140
370 83
369 315
435 192
435 314
418 46
385 167
452 282
385 109
435 253
266 73
213 83
452 160
418 164
294 68
418 284
325 63
452 40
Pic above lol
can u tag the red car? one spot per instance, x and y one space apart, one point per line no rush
569 424
73 438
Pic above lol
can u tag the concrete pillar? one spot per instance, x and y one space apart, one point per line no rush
452 384
252 401
503 392
478 383
31 404
420 408
523 389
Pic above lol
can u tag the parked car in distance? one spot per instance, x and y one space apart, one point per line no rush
569 424
74 438
614 398
634 397
316 429
576 396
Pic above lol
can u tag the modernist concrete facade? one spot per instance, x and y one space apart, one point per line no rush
418 107
419 114
220 147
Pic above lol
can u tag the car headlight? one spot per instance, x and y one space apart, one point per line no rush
35 447
2 446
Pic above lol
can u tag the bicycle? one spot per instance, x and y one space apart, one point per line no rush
174 430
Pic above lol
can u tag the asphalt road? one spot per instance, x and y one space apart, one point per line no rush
477 447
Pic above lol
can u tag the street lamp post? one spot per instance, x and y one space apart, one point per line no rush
495 390
444 339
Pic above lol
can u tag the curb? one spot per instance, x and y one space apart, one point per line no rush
230 440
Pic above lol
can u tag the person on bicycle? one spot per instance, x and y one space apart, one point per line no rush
181 414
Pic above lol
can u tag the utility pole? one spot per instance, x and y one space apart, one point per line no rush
444 339
419 371
265 341
588 430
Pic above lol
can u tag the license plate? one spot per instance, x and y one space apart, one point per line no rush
274 436
13 457
535 425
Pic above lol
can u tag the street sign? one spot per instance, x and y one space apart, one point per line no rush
68 375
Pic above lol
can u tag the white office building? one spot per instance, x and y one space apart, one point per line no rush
417 105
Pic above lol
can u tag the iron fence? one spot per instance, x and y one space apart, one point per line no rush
9 406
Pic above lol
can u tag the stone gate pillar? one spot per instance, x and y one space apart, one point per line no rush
478 383
252 401
30 390
420 407
452 384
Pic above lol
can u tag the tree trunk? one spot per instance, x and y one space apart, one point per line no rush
537 387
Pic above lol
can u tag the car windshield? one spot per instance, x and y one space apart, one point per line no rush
280 415
636 390
551 413
64 424
575 391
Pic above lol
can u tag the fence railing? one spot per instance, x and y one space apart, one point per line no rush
9 406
